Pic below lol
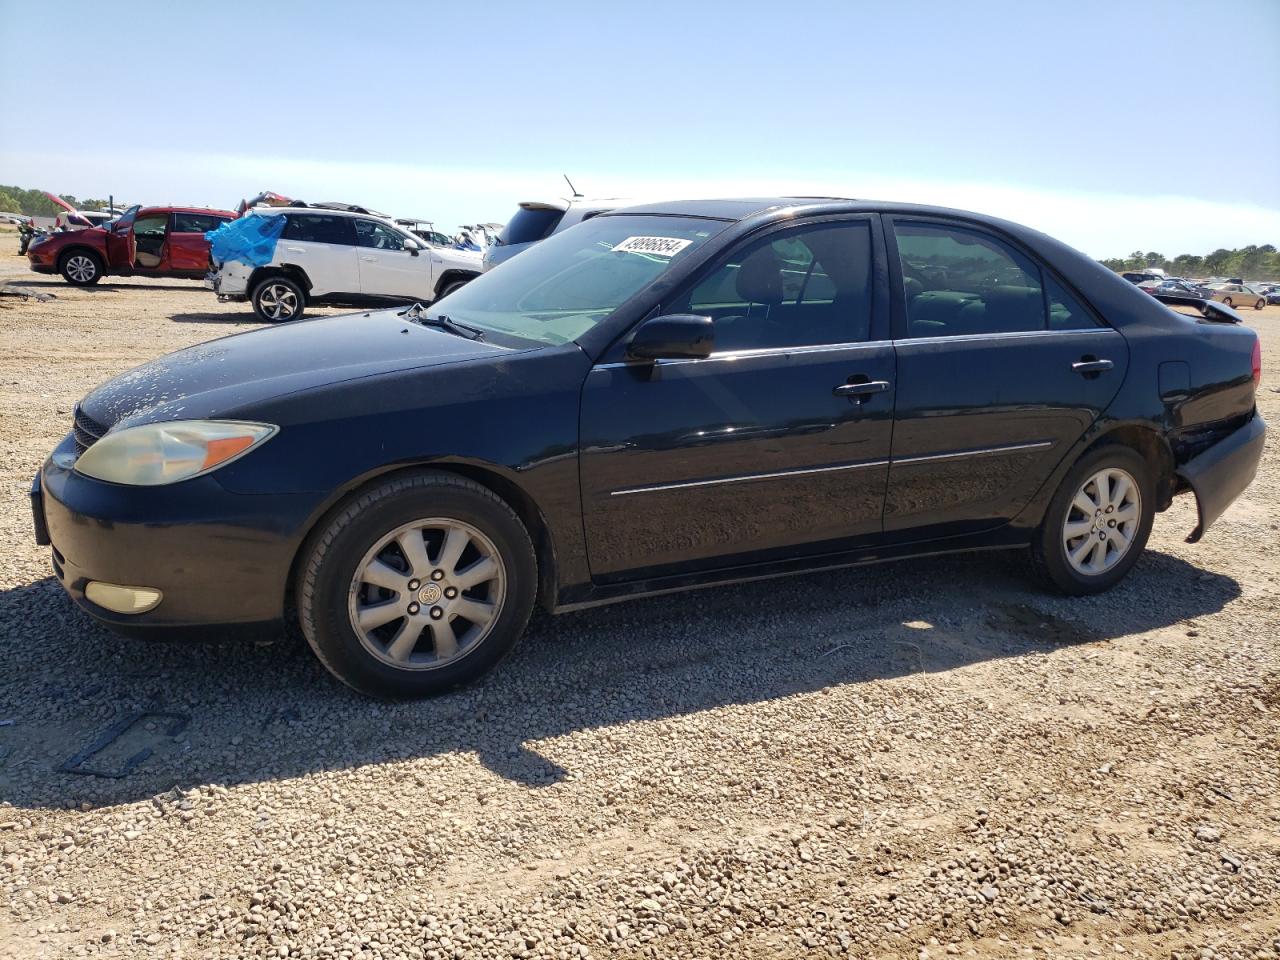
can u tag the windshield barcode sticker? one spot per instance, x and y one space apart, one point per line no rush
658 246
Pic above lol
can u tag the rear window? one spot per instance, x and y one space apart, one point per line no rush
530 224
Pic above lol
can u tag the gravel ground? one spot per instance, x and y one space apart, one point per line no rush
923 759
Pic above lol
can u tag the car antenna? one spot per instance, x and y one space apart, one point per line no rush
576 194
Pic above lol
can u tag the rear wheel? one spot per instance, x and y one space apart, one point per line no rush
81 267
1098 522
1226 301
422 583
278 299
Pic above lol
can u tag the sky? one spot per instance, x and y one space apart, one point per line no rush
1113 127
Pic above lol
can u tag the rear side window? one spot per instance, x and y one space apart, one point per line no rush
959 282
1065 311
318 228
196 222
530 224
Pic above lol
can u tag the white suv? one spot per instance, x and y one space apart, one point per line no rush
338 257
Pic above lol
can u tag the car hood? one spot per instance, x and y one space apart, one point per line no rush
217 378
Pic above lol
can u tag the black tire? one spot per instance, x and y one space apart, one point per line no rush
452 285
1259 305
1049 551
278 299
82 268
1226 301
338 547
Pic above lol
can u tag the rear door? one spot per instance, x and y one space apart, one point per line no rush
323 246
387 268
774 446
188 249
1001 369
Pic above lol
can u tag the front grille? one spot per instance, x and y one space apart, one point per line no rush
88 431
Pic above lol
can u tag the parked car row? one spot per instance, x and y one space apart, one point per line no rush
658 398
143 241
1232 292
327 255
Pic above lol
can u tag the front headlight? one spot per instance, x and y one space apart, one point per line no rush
160 453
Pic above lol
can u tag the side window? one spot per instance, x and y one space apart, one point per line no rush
151 227
1065 311
370 233
807 286
958 281
196 222
318 228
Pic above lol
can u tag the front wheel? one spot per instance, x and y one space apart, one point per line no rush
1097 523
82 268
278 299
451 286
422 583
1260 304
1226 302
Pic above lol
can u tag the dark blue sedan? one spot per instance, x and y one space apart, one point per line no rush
659 398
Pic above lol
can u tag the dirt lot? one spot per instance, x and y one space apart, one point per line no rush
925 759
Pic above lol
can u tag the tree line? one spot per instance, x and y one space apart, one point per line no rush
1248 263
33 203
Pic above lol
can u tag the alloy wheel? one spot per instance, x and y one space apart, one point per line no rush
278 301
1102 521
427 593
81 269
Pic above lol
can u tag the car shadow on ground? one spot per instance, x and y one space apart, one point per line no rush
266 710
99 287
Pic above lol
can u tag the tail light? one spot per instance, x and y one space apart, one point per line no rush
1257 361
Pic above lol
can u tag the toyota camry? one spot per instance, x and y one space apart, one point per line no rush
658 398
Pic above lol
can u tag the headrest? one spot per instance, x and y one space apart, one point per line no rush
759 277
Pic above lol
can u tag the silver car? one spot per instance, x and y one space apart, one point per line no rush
1237 295
536 220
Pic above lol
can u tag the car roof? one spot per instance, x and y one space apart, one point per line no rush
323 211
746 207
168 209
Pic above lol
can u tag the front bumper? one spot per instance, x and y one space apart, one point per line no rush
218 557
1222 472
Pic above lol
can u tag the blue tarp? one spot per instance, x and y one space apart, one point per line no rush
250 240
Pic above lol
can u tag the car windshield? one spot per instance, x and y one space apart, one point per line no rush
559 289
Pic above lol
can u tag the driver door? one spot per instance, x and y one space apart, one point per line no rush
774 446
120 249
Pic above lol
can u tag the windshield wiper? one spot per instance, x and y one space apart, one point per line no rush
417 313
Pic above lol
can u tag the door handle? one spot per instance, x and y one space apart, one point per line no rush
369 259
1087 365
296 249
860 390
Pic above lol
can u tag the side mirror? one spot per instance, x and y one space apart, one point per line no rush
674 336
412 246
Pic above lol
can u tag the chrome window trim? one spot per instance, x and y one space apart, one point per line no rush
684 485
749 354
1010 335
933 457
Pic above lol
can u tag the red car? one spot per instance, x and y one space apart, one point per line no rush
144 242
